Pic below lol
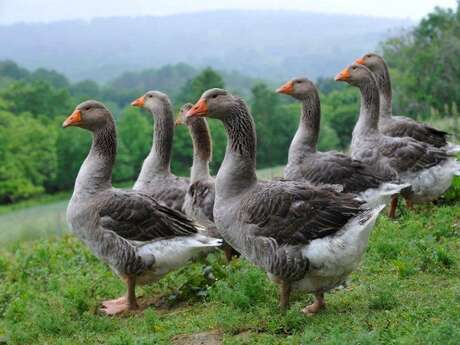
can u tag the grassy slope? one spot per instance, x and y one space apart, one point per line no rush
407 291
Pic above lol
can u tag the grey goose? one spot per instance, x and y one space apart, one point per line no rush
400 126
305 237
199 199
305 162
428 169
155 177
139 239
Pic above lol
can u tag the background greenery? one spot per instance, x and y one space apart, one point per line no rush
37 156
407 290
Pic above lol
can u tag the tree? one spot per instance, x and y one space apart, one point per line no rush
27 156
195 87
424 63
134 142
275 125
53 78
72 146
85 89
37 98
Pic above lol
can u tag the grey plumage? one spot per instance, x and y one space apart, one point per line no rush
306 163
390 155
155 177
399 126
200 196
428 169
273 223
129 230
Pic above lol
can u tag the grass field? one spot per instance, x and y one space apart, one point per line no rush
407 291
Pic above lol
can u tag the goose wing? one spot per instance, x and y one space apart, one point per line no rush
201 196
296 213
137 216
401 126
408 154
336 168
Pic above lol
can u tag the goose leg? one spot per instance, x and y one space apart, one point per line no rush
316 306
228 251
285 292
409 204
132 301
119 305
393 205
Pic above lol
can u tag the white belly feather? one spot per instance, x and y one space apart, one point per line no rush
173 253
333 258
431 183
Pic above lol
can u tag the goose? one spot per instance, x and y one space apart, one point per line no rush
401 126
428 169
139 239
305 162
155 177
199 199
305 237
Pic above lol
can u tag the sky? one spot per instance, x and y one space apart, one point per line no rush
13 11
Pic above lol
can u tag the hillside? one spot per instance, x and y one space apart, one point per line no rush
405 292
268 44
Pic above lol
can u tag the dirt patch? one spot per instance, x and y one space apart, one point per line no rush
204 338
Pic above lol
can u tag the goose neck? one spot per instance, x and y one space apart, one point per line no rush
384 85
306 137
369 111
158 161
96 171
202 149
238 170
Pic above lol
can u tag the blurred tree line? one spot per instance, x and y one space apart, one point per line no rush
37 156
424 65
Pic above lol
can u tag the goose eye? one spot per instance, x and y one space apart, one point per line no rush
87 108
214 96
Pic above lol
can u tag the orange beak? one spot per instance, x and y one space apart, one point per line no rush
360 61
139 102
73 119
344 75
199 109
287 88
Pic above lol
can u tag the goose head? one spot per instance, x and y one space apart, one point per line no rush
90 115
299 88
214 103
372 61
181 119
155 101
355 74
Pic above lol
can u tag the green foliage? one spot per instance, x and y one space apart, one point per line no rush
37 98
51 289
53 78
135 139
72 146
424 64
85 89
274 126
194 88
28 156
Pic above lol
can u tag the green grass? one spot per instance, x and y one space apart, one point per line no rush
43 216
269 173
46 199
407 291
